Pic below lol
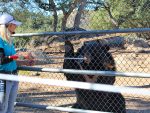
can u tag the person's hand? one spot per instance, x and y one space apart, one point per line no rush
25 55
29 56
26 58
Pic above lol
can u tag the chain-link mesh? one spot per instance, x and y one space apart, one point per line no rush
121 52
116 52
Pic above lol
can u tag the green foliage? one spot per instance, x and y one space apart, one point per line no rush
99 20
31 22
130 14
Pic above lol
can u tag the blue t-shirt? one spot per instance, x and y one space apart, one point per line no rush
8 51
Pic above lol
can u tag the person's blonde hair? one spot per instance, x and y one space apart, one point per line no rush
5 34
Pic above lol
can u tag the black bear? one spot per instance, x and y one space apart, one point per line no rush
97 58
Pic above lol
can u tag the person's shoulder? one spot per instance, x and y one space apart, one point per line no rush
1 42
1 38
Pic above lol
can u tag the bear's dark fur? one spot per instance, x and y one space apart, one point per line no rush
98 59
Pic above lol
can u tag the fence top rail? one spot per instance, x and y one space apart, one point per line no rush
129 30
65 109
74 84
86 72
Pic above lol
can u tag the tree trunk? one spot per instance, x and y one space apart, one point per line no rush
79 13
55 21
64 22
67 13
54 15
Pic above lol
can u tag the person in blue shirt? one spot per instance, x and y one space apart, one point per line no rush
8 89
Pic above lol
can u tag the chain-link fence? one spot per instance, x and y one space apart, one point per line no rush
109 50
120 52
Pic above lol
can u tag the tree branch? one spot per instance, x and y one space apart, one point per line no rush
107 7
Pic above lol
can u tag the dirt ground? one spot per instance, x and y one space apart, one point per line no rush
128 60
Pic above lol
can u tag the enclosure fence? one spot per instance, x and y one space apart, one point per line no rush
121 72
82 85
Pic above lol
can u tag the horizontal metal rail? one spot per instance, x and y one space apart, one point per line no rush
130 30
58 57
75 84
65 109
66 58
85 72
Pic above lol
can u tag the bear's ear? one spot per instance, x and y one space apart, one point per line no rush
68 46
67 42
105 48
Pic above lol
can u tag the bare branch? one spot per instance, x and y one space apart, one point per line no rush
107 7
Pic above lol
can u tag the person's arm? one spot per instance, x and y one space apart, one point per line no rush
7 59
4 59
25 58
